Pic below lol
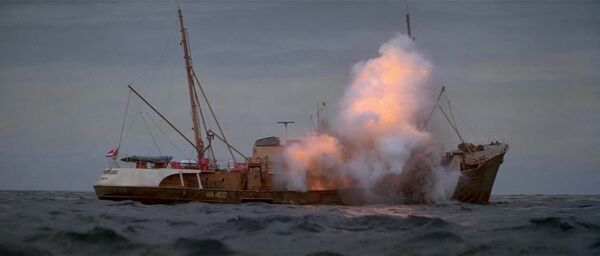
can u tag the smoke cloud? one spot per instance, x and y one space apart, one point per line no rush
375 143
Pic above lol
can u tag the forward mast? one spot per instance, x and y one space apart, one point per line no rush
192 89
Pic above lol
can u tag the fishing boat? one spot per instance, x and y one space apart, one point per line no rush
160 179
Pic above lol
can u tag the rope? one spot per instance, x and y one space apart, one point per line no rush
206 128
453 127
207 103
472 131
167 137
124 119
154 66
150 132
450 109
424 124
210 150
214 116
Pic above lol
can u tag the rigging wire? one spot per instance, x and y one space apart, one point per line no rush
168 139
135 105
124 119
452 120
154 66
150 132
199 85
450 109
210 149
198 104
163 56
170 79
455 130
463 118
214 116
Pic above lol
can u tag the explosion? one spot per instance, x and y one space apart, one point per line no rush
375 142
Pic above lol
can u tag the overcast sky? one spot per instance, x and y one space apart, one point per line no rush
525 73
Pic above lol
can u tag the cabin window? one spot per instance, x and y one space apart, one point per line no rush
189 180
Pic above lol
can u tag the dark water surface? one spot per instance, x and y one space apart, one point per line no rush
76 223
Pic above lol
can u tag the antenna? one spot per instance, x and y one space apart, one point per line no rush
408 23
320 108
285 124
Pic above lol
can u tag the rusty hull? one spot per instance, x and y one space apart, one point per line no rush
475 185
478 171
153 195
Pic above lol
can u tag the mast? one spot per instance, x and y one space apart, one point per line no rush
408 31
191 87
408 26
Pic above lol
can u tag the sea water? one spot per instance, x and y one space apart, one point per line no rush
77 223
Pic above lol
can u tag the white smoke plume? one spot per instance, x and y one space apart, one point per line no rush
375 142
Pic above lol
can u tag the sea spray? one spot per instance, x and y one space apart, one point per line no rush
375 142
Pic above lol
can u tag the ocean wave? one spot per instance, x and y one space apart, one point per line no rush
122 219
94 241
97 235
201 247
22 250
391 223
325 253
437 237
250 225
555 223
31 224
552 222
307 224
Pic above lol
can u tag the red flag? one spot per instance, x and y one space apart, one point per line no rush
112 152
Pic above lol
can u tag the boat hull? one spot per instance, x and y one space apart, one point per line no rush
478 172
155 195
475 185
